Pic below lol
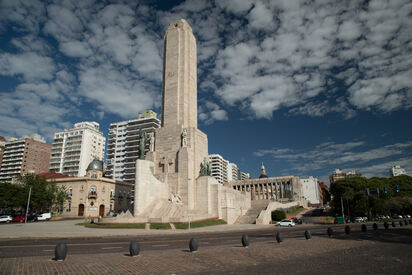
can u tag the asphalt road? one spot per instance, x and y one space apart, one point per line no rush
43 247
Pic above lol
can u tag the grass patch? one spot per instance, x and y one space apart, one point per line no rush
185 225
295 209
114 225
160 226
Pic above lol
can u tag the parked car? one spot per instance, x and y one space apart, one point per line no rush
358 219
18 219
44 217
32 218
297 221
287 223
396 216
408 216
6 219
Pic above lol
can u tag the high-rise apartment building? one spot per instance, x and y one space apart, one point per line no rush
24 155
233 172
396 170
123 145
2 147
225 171
74 149
218 167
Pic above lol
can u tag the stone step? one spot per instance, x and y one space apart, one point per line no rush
252 214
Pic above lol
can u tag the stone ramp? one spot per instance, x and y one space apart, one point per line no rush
251 215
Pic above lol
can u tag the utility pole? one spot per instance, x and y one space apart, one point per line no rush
28 204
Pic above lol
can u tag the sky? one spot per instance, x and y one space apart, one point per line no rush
304 87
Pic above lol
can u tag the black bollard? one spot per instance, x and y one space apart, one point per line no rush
60 252
405 222
410 222
400 223
363 227
393 224
193 245
308 235
375 226
279 237
330 231
134 249
347 229
245 240
386 225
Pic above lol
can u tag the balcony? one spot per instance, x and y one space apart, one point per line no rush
92 195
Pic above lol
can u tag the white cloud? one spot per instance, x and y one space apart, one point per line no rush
29 64
210 112
351 155
75 49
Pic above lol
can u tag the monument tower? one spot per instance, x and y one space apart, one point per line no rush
180 147
168 183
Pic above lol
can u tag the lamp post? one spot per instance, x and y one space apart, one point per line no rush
28 204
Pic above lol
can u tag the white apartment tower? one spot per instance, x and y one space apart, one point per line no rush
218 167
233 172
74 149
123 145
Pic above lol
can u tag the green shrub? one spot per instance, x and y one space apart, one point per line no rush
278 215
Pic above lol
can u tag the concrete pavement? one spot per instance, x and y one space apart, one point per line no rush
385 252
68 228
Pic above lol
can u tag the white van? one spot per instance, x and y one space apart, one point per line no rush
44 217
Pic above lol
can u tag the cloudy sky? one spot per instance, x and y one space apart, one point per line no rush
302 86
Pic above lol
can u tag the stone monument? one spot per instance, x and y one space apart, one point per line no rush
169 181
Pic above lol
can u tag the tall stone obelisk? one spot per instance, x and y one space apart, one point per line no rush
180 147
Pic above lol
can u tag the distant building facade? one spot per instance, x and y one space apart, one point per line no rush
74 149
123 145
311 191
28 154
396 170
338 175
94 195
224 171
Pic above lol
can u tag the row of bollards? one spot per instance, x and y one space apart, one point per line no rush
134 248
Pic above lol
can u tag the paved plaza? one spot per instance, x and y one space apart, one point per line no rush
387 252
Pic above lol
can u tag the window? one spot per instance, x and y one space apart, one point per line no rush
69 206
70 192
94 175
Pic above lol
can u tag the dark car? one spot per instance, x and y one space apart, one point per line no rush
297 221
32 218
18 219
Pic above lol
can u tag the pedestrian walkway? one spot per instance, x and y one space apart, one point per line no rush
68 228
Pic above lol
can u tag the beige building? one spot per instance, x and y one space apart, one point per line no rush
94 195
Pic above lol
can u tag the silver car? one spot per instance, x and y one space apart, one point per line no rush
288 223
6 219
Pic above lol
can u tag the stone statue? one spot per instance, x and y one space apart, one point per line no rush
184 138
142 143
152 140
205 169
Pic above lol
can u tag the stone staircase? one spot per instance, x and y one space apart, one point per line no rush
251 215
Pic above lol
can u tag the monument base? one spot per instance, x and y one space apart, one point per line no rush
212 200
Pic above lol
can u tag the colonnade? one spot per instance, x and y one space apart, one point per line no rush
272 190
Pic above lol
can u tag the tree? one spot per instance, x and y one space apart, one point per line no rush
278 215
44 194
352 192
